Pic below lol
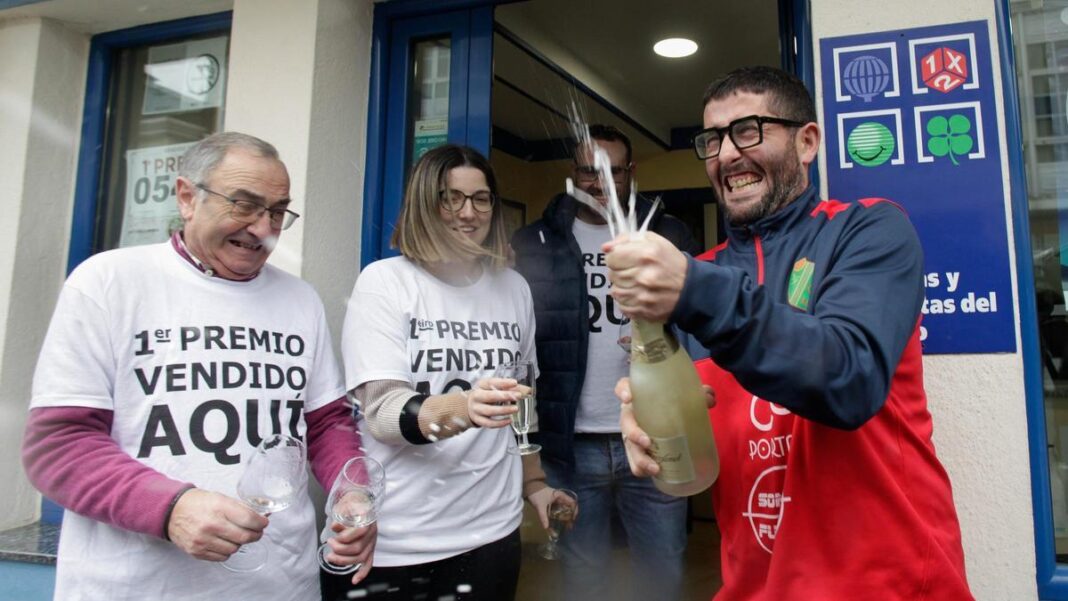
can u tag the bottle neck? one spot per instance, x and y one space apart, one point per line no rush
651 342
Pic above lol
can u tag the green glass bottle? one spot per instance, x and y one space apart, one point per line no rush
669 404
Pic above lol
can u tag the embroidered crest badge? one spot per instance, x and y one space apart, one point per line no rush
800 289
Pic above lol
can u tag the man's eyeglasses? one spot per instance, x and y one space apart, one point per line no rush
588 173
248 211
746 132
454 200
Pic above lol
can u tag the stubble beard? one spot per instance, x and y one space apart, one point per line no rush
786 180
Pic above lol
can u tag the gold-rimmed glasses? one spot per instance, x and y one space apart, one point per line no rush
249 211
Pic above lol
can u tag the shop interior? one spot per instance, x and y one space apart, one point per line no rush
555 58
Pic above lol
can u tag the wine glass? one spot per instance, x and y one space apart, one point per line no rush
353 502
523 373
274 475
623 340
562 514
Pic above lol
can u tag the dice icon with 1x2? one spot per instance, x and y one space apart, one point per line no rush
943 69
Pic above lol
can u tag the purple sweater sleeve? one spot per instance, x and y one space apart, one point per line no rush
332 440
69 456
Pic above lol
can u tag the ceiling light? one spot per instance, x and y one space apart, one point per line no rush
675 47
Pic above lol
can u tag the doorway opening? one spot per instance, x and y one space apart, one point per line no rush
552 55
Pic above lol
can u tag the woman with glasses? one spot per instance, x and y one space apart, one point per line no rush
423 335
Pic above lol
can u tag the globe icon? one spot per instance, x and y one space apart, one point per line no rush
866 76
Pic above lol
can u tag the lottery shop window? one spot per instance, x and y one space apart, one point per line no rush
162 97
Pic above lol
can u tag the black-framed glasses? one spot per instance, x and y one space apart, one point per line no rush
454 200
746 132
588 173
248 211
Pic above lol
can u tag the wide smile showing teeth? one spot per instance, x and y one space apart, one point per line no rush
246 245
744 180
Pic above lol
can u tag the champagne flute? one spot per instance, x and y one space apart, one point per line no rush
562 514
274 475
353 502
523 373
624 336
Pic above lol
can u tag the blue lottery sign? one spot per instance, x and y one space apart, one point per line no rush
909 115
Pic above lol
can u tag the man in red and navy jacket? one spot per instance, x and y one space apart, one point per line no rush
805 323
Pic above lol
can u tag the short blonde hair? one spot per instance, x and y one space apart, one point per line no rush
422 236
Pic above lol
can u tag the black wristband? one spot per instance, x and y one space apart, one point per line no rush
170 510
409 420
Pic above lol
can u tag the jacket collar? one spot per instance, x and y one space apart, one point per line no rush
770 225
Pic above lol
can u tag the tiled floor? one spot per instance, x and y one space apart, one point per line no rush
539 580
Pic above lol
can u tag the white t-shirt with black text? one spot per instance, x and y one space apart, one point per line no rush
196 370
402 323
606 361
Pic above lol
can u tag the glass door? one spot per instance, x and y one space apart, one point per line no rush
1040 41
437 74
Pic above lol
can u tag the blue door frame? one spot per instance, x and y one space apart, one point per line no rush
102 50
1051 577
396 26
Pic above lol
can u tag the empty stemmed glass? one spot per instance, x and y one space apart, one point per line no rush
274 475
523 373
562 514
353 502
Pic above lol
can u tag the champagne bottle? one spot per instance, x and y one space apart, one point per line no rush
669 404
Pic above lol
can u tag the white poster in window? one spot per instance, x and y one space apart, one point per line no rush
151 212
185 77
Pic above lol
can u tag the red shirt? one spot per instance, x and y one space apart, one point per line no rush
811 512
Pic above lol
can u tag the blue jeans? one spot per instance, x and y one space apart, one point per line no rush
655 524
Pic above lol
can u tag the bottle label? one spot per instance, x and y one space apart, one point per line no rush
673 457
654 352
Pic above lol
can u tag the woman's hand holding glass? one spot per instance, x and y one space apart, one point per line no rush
492 402
520 377
352 510
557 510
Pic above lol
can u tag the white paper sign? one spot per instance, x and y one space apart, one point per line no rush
185 77
151 212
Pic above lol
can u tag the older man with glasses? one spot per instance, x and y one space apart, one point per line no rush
805 323
162 370
578 329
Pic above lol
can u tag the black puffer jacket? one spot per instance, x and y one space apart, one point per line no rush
548 256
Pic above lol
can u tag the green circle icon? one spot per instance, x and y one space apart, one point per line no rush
870 144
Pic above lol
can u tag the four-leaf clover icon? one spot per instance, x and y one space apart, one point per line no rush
949 136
